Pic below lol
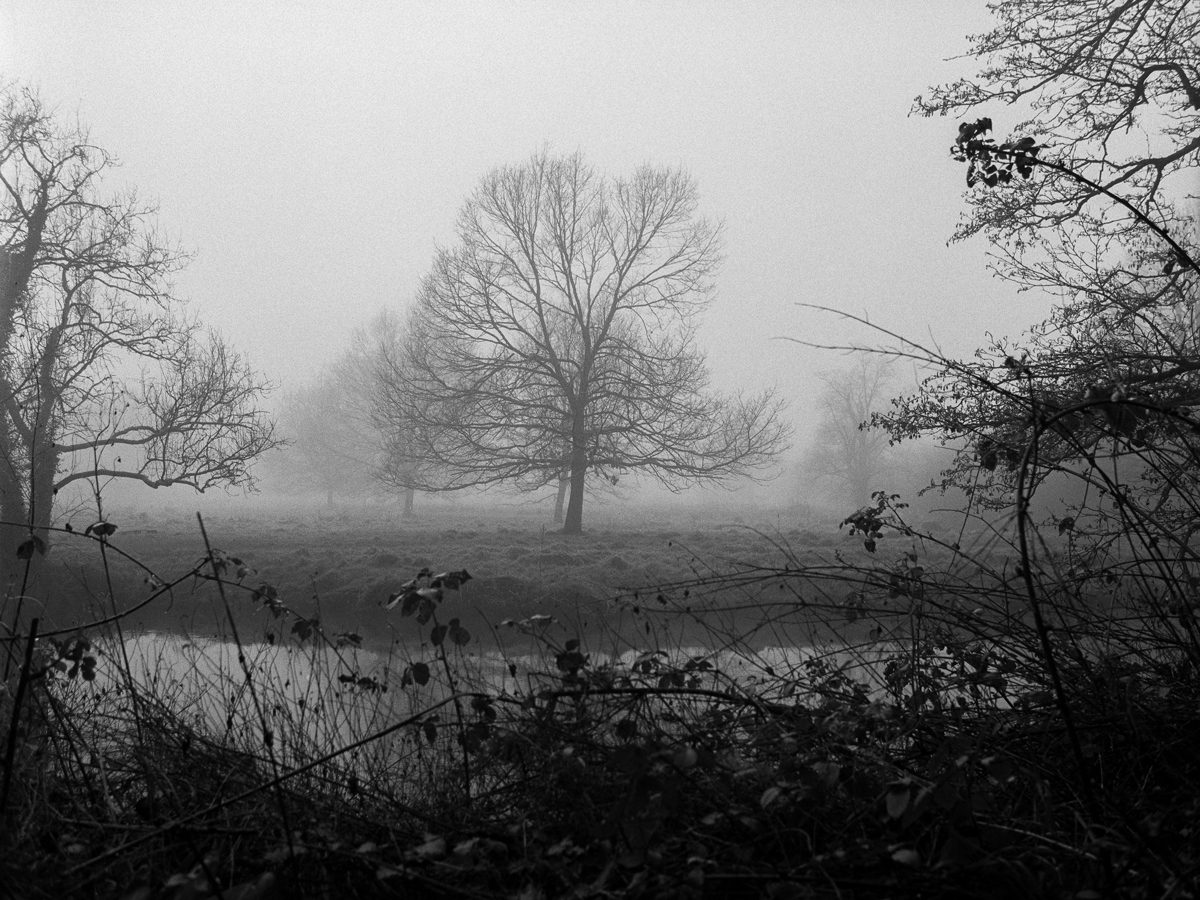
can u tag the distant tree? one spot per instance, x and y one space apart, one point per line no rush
558 336
333 447
375 368
1084 202
101 376
846 453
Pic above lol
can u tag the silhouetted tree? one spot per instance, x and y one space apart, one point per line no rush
558 334
101 376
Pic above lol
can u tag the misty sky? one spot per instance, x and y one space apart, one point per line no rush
312 155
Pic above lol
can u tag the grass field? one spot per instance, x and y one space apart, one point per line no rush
342 566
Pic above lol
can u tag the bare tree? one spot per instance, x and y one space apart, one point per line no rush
101 377
372 370
558 335
333 446
846 452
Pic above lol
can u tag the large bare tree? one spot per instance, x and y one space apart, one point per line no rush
558 337
101 375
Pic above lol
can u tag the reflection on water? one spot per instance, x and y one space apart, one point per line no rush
161 658
314 699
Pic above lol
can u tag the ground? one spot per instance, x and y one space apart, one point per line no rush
342 566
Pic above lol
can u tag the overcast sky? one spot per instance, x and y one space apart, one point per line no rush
312 155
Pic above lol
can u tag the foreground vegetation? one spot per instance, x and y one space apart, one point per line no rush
946 744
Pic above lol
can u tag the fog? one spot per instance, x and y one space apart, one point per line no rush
313 157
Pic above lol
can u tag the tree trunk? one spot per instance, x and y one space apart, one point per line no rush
16 270
409 495
26 519
13 514
860 486
329 497
13 532
27 514
563 483
573 523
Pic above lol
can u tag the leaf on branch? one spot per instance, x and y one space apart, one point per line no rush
988 162
426 606
303 628
265 592
988 453
269 596
451 580
459 635
968 131
32 544
570 661
100 529
429 727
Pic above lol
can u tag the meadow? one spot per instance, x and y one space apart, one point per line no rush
341 566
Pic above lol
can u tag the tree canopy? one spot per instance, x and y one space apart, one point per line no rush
1101 224
1112 87
557 338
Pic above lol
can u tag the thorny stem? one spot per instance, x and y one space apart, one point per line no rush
267 735
18 700
452 682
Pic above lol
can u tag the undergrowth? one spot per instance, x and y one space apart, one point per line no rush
953 743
